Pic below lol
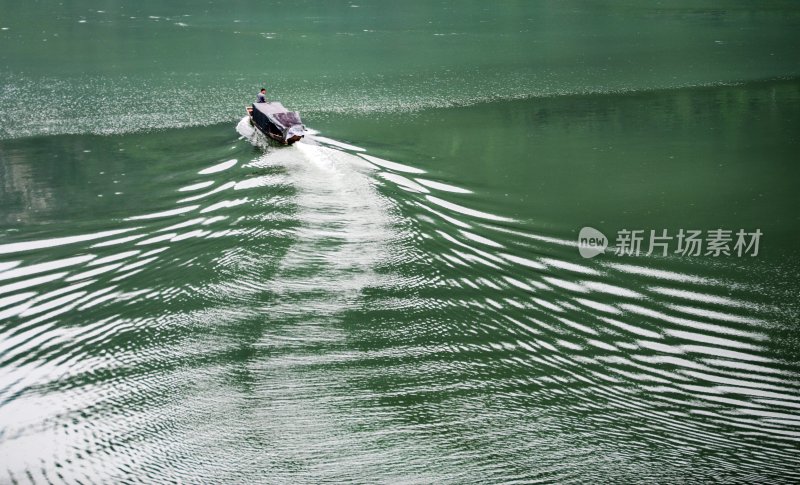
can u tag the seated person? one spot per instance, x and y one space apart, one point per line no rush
262 96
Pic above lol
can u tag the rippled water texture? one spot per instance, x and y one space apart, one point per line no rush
178 64
400 297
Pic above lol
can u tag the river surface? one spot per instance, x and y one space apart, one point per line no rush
402 297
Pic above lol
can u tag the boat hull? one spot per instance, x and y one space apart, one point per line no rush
276 123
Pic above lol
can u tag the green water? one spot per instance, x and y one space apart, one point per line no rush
400 297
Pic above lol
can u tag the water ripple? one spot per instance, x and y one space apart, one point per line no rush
319 306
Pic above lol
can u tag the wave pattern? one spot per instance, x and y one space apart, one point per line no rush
320 313
152 106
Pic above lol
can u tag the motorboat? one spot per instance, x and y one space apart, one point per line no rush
276 122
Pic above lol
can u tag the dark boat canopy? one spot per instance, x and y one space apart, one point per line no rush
275 113
276 122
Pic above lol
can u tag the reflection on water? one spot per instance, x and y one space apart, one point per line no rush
329 312
170 65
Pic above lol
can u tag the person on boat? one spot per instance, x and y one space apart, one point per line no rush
262 96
